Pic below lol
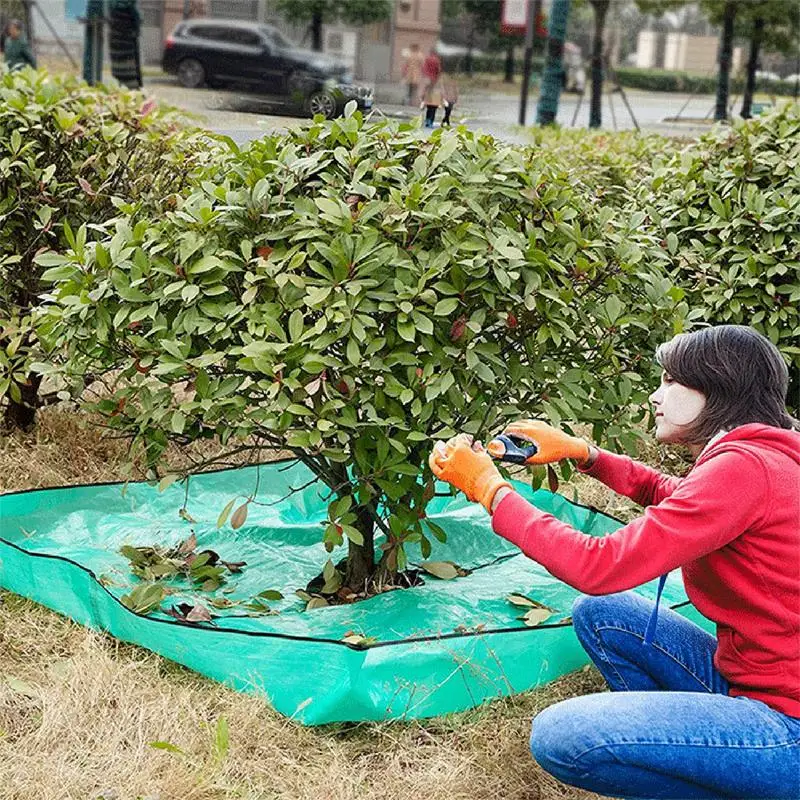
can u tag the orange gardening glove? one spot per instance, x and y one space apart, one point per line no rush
472 471
552 444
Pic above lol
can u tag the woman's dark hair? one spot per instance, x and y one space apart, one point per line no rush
741 373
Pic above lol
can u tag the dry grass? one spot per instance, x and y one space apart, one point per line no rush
79 710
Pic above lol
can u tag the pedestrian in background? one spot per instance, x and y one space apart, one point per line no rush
449 97
412 72
16 49
431 100
432 67
123 42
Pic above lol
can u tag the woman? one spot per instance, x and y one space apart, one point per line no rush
696 716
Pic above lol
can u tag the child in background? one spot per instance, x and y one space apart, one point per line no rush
431 100
449 98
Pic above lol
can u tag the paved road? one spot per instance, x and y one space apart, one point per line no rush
244 117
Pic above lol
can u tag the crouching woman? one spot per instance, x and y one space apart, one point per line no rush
690 715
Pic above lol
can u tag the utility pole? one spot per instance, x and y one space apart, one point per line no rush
534 10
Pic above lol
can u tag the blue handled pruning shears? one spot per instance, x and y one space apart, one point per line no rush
512 449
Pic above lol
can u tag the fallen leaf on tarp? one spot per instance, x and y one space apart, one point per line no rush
316 602
536 616
526 602
186 612
270 594
143 599
358 640
187 545
233 566
444 570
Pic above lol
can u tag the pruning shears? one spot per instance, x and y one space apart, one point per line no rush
511 449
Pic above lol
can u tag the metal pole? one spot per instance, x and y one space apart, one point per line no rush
526 64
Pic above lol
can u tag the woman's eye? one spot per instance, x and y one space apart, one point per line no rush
667 379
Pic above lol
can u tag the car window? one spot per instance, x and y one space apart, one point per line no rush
214 32
242 36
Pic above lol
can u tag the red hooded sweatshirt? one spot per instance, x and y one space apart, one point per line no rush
732 525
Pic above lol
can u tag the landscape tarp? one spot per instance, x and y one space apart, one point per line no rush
440 647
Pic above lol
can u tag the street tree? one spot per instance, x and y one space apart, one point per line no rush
319 12
767 24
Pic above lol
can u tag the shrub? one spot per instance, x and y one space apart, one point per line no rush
729 211
662 80
70 155
353 292
607 168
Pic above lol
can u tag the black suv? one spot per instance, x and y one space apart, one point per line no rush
219 52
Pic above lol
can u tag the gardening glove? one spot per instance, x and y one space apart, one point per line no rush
552 444
468 468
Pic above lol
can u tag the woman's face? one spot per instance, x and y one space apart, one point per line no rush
676 406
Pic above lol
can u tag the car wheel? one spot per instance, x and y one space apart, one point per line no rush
191 73
322 103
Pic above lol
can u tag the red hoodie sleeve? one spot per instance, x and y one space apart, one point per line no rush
715 503
640 483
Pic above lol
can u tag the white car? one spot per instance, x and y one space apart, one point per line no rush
763 75
792 79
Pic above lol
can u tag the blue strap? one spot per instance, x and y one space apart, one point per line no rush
650 630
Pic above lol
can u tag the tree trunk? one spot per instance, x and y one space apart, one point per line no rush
725 59
553 75
509 76
21 416
316 32
752 65
361 558
468 66
595 110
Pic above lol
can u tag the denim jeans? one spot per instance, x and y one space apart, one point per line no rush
668 729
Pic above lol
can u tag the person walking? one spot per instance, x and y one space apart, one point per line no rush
16 50
431 100
412 72
432 67
449 97
123 42
690 714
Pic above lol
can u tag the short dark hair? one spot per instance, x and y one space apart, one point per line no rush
741 373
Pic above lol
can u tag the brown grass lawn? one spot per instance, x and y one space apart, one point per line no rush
79 710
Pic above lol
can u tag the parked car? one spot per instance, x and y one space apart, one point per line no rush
221 52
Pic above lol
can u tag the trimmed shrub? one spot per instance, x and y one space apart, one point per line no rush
729 211
71 156
354 292
662 80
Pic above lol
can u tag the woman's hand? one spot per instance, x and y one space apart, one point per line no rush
552 444
467 466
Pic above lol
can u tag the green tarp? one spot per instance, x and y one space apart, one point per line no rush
441 647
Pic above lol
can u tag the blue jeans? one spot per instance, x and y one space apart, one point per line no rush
669 728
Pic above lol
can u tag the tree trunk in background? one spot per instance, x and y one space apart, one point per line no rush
509 76
725 60
316 32
752 66
595 110
553 73
468 67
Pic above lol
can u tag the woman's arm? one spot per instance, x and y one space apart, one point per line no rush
714 504
640 483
